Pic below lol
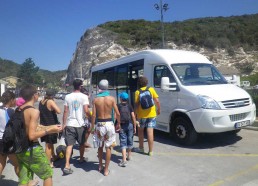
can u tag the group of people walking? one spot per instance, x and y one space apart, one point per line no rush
107 118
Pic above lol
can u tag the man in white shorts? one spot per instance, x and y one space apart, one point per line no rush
103 107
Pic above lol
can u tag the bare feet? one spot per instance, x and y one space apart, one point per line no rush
106 173
87 145
100 168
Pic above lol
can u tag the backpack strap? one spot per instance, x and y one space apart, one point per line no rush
140 90
30 142
23 109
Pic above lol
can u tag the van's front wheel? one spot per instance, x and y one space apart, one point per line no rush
183 131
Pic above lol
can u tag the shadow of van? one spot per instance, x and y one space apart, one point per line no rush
205 141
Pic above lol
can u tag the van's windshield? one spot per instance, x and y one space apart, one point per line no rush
198 74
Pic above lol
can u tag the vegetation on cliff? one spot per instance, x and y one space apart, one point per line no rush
221 32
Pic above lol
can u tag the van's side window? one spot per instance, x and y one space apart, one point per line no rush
159 72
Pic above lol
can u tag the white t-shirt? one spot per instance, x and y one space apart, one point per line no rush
75 102
4 118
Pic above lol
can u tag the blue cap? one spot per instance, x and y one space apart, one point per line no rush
123 96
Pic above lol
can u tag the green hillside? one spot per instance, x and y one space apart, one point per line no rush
10 68
222 32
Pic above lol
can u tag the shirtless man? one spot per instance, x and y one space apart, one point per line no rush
103 105
38 163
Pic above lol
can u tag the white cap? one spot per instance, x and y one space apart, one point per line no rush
103 84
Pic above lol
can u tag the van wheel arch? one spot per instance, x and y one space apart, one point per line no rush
182 130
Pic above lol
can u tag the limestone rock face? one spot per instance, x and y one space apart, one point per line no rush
98 45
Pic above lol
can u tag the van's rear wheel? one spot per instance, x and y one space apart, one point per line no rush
183 131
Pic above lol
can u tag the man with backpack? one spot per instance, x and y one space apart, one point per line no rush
127 127
147 107
34 159
6 111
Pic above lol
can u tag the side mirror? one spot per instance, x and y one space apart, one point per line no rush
233 80
165 84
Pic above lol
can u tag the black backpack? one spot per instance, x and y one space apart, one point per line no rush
125 114
15 139
145 98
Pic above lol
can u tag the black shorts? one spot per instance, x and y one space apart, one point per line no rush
50 138
1 146
73 134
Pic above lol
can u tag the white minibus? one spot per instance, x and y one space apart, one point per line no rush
195 97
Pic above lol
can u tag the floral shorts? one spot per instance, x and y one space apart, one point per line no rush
105 132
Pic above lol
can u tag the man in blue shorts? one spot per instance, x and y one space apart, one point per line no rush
146 117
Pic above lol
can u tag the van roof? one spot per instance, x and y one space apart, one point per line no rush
172 56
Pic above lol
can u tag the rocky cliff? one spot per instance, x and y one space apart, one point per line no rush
98 45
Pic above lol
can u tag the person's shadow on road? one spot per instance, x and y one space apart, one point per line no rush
7 182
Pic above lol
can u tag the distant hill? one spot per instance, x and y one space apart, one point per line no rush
10 68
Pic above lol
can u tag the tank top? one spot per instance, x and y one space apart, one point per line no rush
47 117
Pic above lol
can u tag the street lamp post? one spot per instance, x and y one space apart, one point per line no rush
162 7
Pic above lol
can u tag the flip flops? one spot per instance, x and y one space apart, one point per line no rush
67 171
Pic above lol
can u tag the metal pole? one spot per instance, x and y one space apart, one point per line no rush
162 7
162 24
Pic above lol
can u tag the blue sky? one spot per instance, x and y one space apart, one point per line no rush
48 30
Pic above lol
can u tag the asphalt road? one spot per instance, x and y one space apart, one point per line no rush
215 160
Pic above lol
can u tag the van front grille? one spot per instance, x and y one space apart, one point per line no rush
236 103
238 117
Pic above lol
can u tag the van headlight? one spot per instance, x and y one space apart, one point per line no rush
208 103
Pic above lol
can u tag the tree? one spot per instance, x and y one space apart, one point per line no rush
28 73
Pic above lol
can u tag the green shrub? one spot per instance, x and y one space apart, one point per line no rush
254 94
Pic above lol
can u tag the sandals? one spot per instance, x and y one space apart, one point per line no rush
67 171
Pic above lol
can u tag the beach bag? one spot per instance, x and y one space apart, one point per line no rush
61 148
145 98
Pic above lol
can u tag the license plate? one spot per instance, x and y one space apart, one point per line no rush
242 124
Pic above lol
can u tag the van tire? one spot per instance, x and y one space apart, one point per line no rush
183 131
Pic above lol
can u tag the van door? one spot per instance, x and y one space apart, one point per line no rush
168 99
